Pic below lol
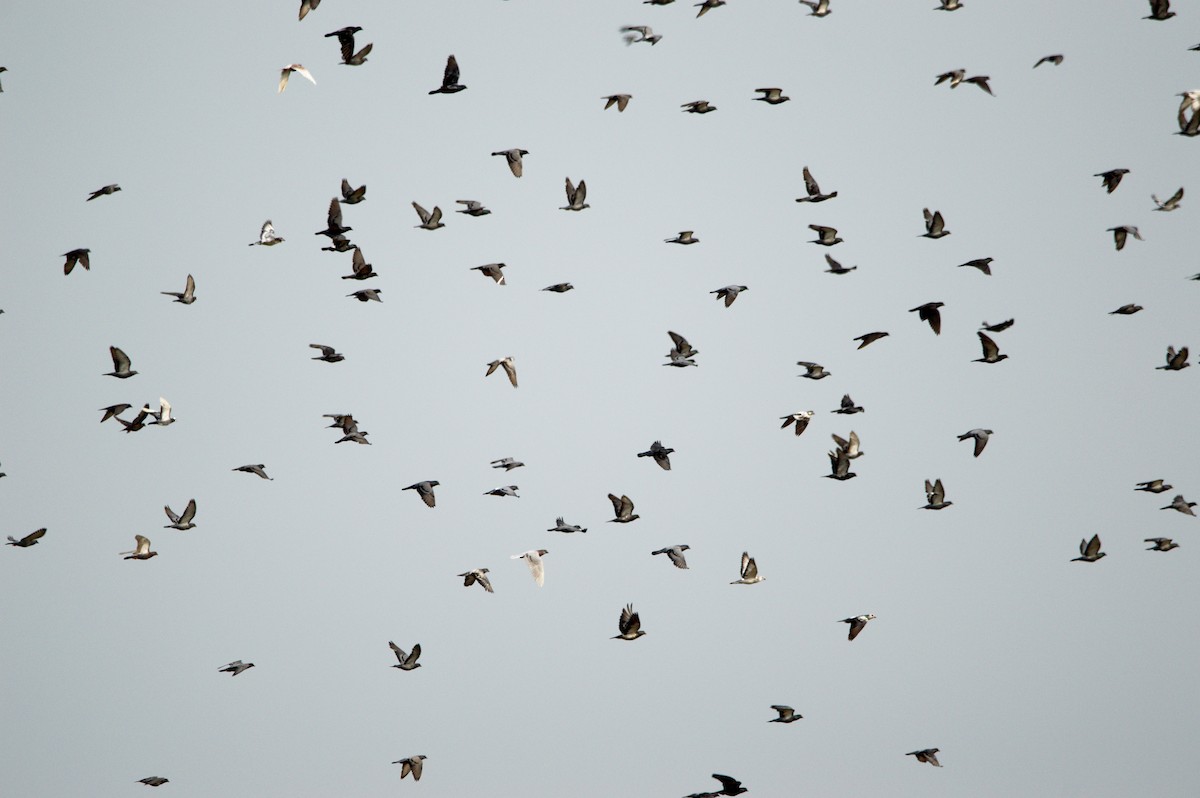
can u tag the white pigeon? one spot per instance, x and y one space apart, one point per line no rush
533 558
287 71
266 236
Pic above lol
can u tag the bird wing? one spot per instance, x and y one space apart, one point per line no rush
334 216
143 544
729 784
535 567
189 513
939 492
810 185
421 212
1093 546
170 514
990 350
450 76
414 655
304 72
32 536
511 369
616 503
399 652
626 507
570 192
120 359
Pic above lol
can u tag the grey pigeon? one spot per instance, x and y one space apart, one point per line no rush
708 5
1126 310
183 521
267 236
1161 544
158 781
857 624
820 8
814 191
509 366
619 100
1171 202
870 338
507 463
826 236
308 5
935 225
675 554
29 540
333 221
935 496
103 192
429 220
477 575
254 469
837 268
513 156
660 453
629 625
406 661
367 295
640 33
813 371
236 667
1154 486
698 107
851 447
412 764
113 410
1121 235
991 352
142 552
328 353
492 270
1089 550
559 288
729 293
474 208
189 292
772 96
121 365
786 714
1049 59
1182 505
848 407
839 465
981 438
1160 10
79 256
359 268
576 196
685 237
749 572
351 195
983 264
506 490
450 84
995 328
799 419
533 558
338 244
425 491
622 509
926 755
1112 178
562 526
1176 361
929 312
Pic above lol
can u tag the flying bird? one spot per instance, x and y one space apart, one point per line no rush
1111 178
1176 361
729 293
79 256
236 667
533 558
474 208
981 81
353 196
189 292
820 8
158 781
749 572
640 33
1160 10
450 84
622 509
576 196
629 625
1120 235
1161 544
850 448
121 365
729 786
259 470
814 190
773 96
506 490
29 540
983 264
339 244
839 465
996 328
333 221
345 37
182 522
1126 310
685 237
800 420
162 416
1171 203
980 436
1154 486
1049 59
929 312
935 496
826 236
660 453
328 353
698 107
559 288
991 352
786 714
837 268
412 765
848 407
927 755
477 576
267 236
287 71
142 552
507 463
935 225
813 371
870 338
562 526
425 491
707 6
103 192
955 76
406 661
619 100
675 555
513 157
429 221
857 624
1182 505
491 270
359 268
367 295
510 368
1089 550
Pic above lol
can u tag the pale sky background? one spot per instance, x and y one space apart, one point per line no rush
1033 674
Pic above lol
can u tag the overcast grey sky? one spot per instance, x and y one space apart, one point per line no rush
1033 675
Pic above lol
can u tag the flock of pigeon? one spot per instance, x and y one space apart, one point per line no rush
842 456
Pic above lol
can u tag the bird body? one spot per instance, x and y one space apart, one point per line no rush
774 96
749 571
1111 178
799 419
79 256
857 624
492 270
189 292
786 714
619 100
562 526
413 765
406 661
1176 361
826 236
533 559
29 540
1182 505
629 625
926 755
513 157
980 436
991 352
660 453
506 490
698 107
258 470
622 509
935 496
103 192
675 555
507 463
121 364
236 667
425 491
1171 202
1161 544
183 521
576 196
929 313
1089 550
935 225
267 236
328 353
429 221
729 293
287 71
450 75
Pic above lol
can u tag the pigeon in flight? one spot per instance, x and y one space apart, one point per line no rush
820 8
955 76
839 465
749 572
1049 59
826 236
533 558
685 237
189 292
996 328
707 6
360 269
619 100
660 453
1176 361
429 221
236 667
698 107
837 268
729 293
352 196
675 555
983 264
425 491
254 469
1126 310
848 408
506 490
630 625
1161 544
729 786
1171 203
562 526
1160 10
559 288
510 368
477 575
345 37
935 496
412 764
267 236
328 353
622 509
1112 178
29 540
991 352
640 33
474 208
492 270
681 353
980 436
405 661
103 192
507 463
450 84
857 624
935 225
287 71
79 256
333 221
576 196
339 244
142 552
929 312
1122 233
870 338
927 755
1154 486
800 420
1089 550
813 371
182 522
158 781
513 157
850 448
121 365
814 190
162 416
1182 505
772 96
786 714
367 295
